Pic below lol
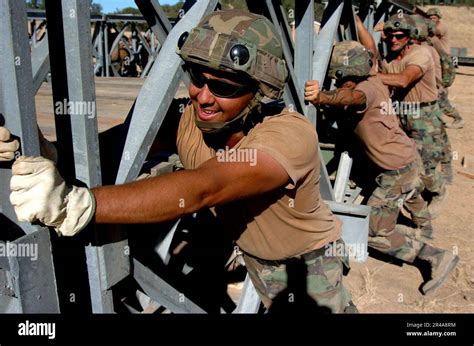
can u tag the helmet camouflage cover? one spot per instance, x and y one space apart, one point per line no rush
400 22
350 59
421 34
239 41
434 12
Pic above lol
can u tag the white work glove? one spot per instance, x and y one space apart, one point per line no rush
39 193
47 148
8 147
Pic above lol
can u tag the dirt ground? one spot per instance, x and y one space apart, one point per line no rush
379 286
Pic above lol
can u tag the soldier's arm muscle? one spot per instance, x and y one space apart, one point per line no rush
171 196
366 39
340 97
411 74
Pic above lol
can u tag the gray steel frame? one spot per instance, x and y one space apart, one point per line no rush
146 120
73 81
32 282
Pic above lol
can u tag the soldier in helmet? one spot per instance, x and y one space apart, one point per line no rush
392 161
409 71
420 36
439 38
255 167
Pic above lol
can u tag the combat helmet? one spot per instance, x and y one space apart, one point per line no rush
431 26
238 41
422 32
350 59
400 22
434 12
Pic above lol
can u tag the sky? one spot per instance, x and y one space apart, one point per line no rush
111 5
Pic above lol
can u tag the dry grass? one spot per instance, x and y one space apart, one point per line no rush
368 288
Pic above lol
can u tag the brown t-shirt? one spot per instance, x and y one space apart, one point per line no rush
441 39
288 221
385 143
423 90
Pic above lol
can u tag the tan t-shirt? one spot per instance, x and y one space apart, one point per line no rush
441 39
385 143
286 222
437 62
423 90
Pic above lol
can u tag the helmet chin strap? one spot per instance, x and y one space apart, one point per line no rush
234 125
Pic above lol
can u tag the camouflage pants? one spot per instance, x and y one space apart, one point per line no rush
321 280
446 106
395 189
426 130
446 154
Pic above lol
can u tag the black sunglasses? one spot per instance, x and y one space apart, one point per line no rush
397 36
217 87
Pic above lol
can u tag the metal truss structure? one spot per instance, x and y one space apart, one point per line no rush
66 51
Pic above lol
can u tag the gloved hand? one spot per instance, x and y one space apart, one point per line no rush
7 146
47 148
39 193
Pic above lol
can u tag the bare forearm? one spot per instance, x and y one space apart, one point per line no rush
366 38
397 80
151 200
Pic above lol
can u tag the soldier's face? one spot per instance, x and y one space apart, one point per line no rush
397 40
218 96
434 18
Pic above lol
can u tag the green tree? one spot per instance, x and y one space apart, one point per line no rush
172 11
96 8
38 4
127 10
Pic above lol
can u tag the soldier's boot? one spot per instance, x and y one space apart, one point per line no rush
442 263
351 308
458 122
434 206
447 172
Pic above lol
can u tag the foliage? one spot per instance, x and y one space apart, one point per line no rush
127 10
40 4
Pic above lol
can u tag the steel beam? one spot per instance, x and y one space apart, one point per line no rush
304 14
325 39
17 104
350 32
292 95
342 177
40 62
249 301
107 263
152 103
155 17
322 55
355 223
162 292
34 278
